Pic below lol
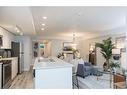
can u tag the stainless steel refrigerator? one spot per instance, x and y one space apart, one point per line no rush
17 50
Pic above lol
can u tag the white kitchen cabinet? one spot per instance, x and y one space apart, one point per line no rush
14 67
7 38
57 78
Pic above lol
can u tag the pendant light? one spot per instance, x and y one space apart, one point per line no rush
73 42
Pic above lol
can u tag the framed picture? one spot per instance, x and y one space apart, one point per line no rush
67 46
41 45
36 45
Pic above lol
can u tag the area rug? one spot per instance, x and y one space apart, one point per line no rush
91 82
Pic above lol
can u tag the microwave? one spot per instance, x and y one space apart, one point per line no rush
1 41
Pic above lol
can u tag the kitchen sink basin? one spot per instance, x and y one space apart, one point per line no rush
46 60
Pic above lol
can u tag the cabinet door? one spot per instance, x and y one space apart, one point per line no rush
14 67
6 39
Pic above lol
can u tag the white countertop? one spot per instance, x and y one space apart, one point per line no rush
11 58
50 65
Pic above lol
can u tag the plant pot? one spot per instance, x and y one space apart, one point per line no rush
105 66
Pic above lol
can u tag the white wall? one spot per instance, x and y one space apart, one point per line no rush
56 47
27 50
125 55
48 49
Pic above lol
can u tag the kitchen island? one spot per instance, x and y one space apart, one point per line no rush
52 73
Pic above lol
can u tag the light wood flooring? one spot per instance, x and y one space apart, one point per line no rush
23 81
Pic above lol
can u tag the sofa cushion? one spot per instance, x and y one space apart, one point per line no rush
87 64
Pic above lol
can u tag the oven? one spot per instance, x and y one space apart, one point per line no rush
6 74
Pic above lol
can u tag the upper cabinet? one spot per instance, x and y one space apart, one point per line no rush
7 38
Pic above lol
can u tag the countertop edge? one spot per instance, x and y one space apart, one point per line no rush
63 64
40 68
10 58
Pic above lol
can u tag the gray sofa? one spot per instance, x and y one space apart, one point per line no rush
85 69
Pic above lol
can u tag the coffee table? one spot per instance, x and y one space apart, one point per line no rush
97 71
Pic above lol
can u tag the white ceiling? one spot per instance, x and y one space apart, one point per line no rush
10 17
61 22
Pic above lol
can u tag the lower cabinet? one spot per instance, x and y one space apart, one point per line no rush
14 67
53 78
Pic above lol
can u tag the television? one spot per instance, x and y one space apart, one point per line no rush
1 41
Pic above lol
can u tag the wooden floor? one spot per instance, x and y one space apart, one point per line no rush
23 81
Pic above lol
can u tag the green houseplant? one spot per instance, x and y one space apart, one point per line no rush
106 50
114 65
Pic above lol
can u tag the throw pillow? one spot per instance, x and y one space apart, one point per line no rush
81 61
87 63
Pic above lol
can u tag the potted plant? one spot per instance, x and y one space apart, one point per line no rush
113 66
76 53
106 50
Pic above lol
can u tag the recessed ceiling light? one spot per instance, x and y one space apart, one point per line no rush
42 29
44 17
21 33
43 24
